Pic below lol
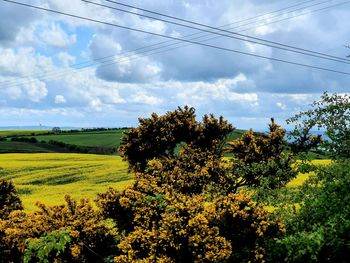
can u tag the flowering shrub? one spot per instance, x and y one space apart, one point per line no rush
90 237
9 201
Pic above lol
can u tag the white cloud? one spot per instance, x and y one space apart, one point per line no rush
281 105
222 90
36 90
143 98
56 37
59 99
66 58
23 62
238 87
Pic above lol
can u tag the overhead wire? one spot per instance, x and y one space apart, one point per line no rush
196 38
231 34
177 39
83 64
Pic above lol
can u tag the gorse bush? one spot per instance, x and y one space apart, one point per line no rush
262 160
182 228
182 206
9 200
158 136
91 239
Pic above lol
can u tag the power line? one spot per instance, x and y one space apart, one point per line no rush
215 28
175 38
198 33
178 39
247 38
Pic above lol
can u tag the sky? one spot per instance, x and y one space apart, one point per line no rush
57 70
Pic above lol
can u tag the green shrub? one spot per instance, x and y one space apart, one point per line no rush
48 248
320 230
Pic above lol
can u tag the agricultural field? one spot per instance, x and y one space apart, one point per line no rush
93 139
24 147
21 132
109 139
48 177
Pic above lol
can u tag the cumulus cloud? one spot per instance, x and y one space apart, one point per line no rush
66 58
33 91
38 50
59 99
121 67
56 37
22 61
13 20
143 98
36 90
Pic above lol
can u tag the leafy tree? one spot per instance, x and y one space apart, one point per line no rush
319 231
48 248
331 113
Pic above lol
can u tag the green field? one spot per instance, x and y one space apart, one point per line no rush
49 176
100 139
103 139
20 132
96 139
24 147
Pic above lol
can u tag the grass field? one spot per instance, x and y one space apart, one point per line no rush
20 132
25 147
103 139
49 176
99 139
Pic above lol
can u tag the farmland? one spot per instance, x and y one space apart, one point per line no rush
107 140
48 177
94 139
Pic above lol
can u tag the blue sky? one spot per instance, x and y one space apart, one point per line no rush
51 71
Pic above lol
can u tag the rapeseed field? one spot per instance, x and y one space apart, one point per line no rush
48 177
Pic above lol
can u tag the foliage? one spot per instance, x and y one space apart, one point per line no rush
91 238
49 247
261 159
9 200
331 113
319 231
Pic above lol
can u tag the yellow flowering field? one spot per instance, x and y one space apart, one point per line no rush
301 178
47 177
